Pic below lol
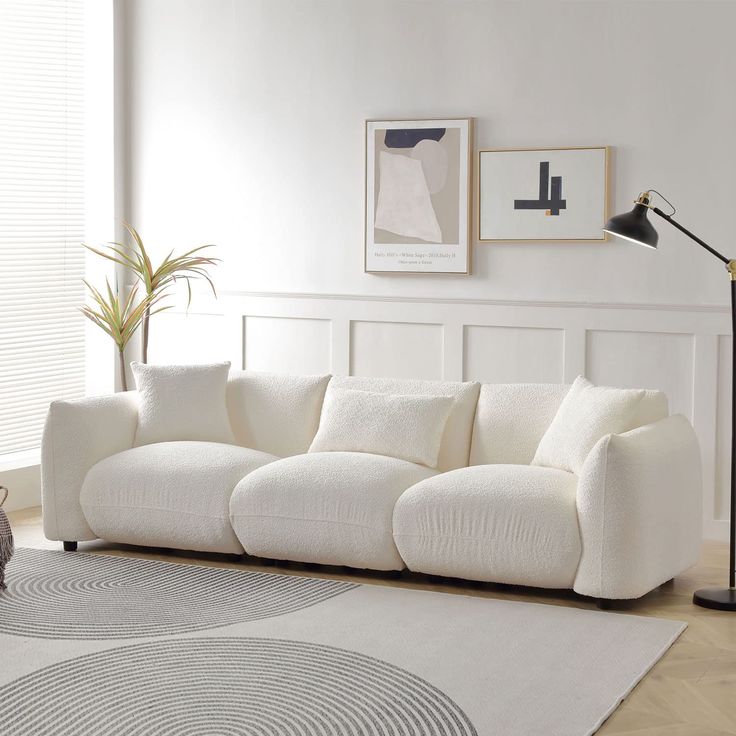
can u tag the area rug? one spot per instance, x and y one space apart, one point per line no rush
94 645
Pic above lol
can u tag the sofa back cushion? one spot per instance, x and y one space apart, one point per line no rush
405 426
653 407
275 413
512 418
182 402
455 445
587 414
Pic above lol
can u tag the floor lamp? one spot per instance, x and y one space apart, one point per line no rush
636 227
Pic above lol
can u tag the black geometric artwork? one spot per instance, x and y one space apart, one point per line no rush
550 196
407 138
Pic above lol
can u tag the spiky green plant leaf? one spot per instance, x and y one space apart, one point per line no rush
157 282
118 319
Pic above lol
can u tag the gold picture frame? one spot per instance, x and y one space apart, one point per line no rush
411 254
490 205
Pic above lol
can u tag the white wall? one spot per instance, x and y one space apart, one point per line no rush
245 128
24 485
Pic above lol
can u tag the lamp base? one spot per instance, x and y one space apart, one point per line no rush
722 599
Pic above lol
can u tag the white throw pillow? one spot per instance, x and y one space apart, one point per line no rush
408 427
182 402
585 415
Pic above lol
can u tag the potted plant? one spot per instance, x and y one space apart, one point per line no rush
157 281
119 319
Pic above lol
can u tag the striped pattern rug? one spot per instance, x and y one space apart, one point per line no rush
110 646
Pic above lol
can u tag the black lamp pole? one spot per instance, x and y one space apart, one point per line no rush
636 227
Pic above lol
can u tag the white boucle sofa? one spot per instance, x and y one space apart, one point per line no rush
628 522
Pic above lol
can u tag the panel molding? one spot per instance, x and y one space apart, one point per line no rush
396 348
575 353
513 354
704 324
669 307
644 358
272 343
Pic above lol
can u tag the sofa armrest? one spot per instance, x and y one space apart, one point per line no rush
639 509
78 434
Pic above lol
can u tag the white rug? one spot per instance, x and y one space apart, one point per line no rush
110 646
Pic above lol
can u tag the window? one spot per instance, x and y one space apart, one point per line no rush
42 215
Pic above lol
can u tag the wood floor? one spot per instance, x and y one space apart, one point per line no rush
690 692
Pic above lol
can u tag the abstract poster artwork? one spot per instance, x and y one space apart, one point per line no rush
417 196
542 194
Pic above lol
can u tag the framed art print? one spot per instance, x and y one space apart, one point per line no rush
542 194
417 184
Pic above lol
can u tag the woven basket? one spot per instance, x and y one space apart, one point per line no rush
6 539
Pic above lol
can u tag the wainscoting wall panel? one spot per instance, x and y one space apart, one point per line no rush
286 344
662 360
186 338
398 349
682 351
513 354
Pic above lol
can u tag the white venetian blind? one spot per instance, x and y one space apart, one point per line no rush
41 214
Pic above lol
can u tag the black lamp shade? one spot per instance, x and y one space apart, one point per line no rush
633 226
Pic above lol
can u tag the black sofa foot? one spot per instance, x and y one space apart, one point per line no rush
70 546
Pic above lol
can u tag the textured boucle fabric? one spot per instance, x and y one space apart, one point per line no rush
585 415
511 419
408 427
653 407
169 494
333 508
182 402
639 506
503 523
637 502
275 413
455 447
78 434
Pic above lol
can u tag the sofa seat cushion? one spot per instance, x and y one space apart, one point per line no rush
169 494
503 523
333 508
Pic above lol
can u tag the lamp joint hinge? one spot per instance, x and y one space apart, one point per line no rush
731 268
